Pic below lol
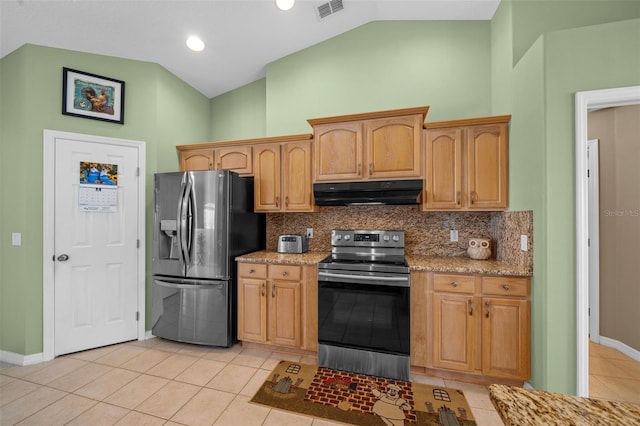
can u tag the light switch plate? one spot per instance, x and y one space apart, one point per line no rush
16 239
524 243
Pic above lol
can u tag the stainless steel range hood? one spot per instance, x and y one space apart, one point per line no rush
367 192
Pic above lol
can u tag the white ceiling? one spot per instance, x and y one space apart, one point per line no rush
241 36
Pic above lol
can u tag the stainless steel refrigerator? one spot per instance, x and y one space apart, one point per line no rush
202 221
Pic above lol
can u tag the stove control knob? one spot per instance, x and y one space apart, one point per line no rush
396 238
385 238
338 237
347 237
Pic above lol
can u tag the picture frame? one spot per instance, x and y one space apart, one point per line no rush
92 96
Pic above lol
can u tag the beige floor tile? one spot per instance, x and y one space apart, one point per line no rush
428 380
167 401
93 354
133 418
232 378
168 345
20 371
107 384
627 389
243 413
80 377
204 408
121 355
255 382
632 368
276 357
29 404
309 360
197 351
60 412
477 395
485 417
172 366
135 392
598 389
146 360
16 389
606 367
224 355
252 358
282 418
100 414
55 369
6 379
201 372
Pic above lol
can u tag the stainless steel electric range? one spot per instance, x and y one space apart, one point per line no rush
363 304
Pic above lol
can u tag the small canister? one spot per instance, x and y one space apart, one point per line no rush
479 248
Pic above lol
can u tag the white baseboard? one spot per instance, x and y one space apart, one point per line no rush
618 345
148 335
19 359
528 386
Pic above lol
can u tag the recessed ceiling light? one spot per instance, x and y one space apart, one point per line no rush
194 43
285 4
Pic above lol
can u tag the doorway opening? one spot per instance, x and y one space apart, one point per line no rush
584 103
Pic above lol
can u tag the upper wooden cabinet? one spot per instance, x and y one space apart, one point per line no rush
197 159
282 181
467 164
236 158
379 145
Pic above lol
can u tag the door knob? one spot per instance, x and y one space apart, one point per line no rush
63 257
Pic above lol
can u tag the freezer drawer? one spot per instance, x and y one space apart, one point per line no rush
192 311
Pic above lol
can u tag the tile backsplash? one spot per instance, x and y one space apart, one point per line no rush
426 233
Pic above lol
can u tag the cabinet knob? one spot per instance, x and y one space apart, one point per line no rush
262 289
474 195
359 169
286 201
273 291
458 198
252 271
506 287
277 201
454 284
285 273
486 306
470 307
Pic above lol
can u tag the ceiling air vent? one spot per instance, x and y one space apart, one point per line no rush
329 8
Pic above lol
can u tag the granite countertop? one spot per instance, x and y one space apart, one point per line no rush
465 265
270 256
522 407
462 265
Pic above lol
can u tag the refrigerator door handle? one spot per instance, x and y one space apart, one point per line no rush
184 219
187 284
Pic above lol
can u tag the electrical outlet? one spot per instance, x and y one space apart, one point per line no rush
309 232
453 235
524 243
16 239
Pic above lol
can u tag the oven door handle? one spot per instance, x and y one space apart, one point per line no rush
389 280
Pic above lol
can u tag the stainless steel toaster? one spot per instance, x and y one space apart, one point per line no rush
292 243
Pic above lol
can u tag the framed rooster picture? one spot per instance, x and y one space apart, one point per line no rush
92 96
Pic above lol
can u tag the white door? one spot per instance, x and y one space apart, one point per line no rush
96 253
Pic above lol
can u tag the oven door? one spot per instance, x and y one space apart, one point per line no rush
363 310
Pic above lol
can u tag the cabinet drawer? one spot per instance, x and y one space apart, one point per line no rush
285 272
252 270
454 283
505 286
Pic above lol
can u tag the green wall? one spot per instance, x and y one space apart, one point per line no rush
160 110
241 113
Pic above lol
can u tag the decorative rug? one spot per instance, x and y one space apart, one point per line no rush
361 400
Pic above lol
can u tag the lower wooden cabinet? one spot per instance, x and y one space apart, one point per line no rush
476 324
277 304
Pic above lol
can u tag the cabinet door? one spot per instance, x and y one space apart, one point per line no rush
394 147
252 309
443 177
297 185
488 167
196 159
453 331
284 313
267 178
236 158
420 320
338 151
505 338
